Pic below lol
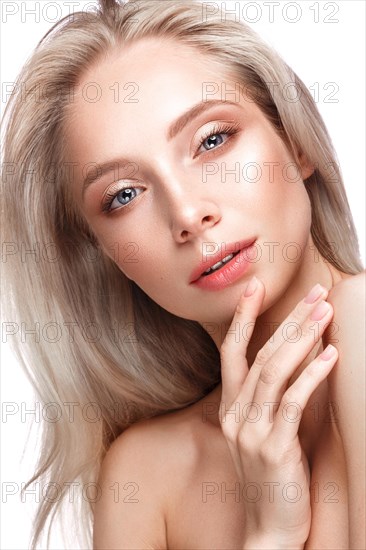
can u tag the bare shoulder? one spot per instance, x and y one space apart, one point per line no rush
164 442
139 478
347 329
351 289
128 512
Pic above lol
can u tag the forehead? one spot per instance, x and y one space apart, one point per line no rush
148 74
150 57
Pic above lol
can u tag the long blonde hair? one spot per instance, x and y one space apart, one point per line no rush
101 344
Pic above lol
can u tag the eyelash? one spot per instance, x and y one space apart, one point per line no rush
219 128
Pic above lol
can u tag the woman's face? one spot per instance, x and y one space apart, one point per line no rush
177 196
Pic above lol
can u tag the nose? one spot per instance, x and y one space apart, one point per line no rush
189 208
191 218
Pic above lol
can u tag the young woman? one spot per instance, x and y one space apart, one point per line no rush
198 247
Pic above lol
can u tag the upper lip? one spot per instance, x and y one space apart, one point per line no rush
225 250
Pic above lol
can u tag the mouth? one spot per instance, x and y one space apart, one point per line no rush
220 264
222 259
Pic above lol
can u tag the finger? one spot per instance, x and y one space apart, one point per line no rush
289 329
296 397
234 367
275 374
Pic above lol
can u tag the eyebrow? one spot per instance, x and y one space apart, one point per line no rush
100 170
182 121
174 129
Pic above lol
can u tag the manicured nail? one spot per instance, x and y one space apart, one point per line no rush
328 353
320 311
251 287
314 294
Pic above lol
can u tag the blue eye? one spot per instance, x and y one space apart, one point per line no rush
122 198
214 139
125 195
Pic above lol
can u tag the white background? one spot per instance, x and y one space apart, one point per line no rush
320 52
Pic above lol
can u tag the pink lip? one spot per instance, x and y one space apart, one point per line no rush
229 272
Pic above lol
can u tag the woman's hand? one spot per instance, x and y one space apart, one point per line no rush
260 416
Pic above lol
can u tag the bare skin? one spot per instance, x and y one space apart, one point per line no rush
183 470
176 460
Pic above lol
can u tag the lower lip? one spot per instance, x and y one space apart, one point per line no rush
229 273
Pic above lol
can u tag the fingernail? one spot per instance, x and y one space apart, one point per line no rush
320 311
328 353
251 287
314 294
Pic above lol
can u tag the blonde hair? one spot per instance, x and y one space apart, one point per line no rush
102 343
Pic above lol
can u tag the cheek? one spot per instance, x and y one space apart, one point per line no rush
282 201
259 165
287 228
129 256
274 182
120 241
136 256
284 211
267 186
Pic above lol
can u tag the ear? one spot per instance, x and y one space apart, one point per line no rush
306 168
